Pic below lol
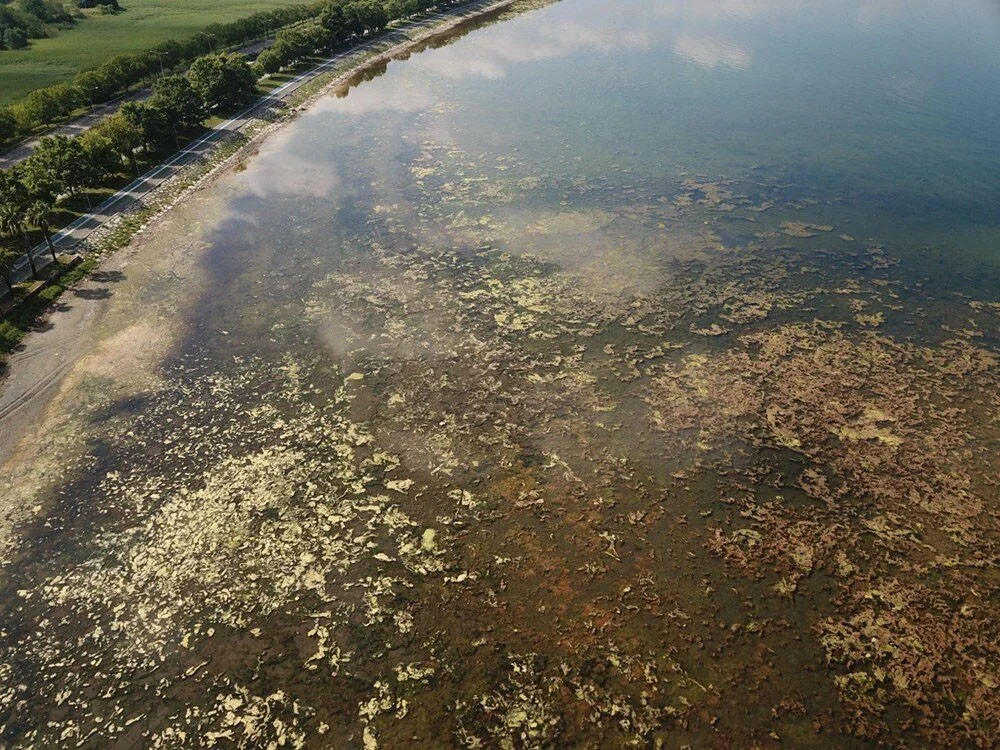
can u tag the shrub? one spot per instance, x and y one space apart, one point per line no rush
15 38
8 124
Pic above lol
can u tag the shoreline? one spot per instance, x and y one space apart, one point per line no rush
256 120
222 147
41 373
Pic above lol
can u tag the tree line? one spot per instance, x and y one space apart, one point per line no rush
63 167
122 72
336 23
323 23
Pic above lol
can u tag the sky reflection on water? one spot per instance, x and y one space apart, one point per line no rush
887 109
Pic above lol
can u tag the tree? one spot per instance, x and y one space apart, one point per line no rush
99 153
52 167
77 171
223 81
179 102
66 98
94 86
44 105
8 256
315 38
401 8
299 43
270 60
8 125
150 121
123 136
354 24
38 9
12 222
126 70
39 180
11 189
366 15
334 21
39 213
39 107
170 53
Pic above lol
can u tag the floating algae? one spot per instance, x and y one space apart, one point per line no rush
801 229
532 459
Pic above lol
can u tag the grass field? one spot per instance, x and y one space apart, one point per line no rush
98 37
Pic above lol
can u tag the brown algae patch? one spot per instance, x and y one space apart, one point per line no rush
869 420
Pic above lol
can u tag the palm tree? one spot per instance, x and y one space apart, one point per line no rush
40 214
12 222
7 257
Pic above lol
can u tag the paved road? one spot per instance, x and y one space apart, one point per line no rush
66 238
23 150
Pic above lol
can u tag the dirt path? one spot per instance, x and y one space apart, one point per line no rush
36 368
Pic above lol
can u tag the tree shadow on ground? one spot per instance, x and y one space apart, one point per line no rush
99 292
107 276
102 293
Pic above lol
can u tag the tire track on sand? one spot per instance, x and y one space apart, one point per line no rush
36 389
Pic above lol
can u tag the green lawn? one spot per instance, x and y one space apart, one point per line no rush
97 37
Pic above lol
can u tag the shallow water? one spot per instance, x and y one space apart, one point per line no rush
599 376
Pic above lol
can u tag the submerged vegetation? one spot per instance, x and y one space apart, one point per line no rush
493 498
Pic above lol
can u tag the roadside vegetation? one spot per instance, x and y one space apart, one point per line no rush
303 28
62 169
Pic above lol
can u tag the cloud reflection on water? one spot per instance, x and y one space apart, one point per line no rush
702 10
711 52
533 43
278 169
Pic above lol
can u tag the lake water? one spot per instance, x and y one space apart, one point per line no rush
600 375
